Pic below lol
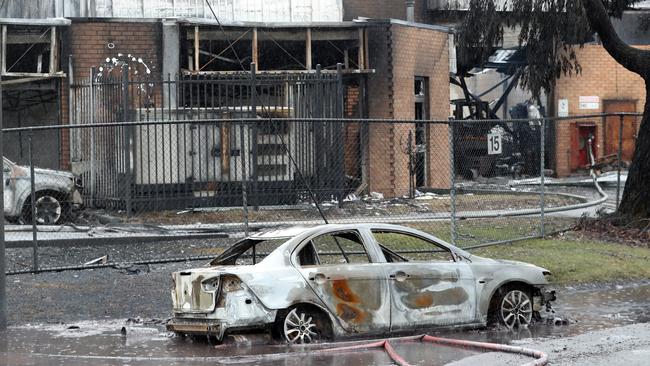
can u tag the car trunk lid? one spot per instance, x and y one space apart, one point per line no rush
194 291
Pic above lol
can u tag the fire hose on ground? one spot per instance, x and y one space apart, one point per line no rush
540 358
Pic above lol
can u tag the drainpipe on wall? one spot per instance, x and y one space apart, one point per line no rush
410 10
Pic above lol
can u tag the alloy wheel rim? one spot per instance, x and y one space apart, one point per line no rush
47 210
298 329
516 309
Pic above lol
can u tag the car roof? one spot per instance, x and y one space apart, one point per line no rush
294 235
293 231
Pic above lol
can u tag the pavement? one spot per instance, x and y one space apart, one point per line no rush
628 345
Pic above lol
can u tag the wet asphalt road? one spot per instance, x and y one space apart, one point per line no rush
75 318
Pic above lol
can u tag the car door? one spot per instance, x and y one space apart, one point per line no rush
428 287
340 271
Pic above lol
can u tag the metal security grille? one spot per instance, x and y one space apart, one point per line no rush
200 141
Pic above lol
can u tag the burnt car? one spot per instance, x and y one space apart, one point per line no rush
57 194
336 281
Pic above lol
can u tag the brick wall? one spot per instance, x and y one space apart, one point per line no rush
423 52
88 44
399 53
381 149
603 77
352 142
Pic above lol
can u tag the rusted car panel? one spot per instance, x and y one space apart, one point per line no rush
17 187
354 295
440 296
369 290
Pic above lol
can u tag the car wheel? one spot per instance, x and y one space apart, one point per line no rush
48 209
303 325
515 309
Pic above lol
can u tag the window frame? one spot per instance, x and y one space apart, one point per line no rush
442 248
309 241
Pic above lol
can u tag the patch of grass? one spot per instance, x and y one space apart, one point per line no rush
477 231
577 261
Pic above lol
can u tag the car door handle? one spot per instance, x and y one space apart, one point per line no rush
319 278
399 276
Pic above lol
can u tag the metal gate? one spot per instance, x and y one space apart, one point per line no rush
204 140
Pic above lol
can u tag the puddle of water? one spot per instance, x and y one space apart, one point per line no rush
100 342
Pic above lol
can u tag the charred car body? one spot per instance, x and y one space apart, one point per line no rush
57 194
335 281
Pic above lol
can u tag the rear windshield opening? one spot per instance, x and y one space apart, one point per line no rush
247 252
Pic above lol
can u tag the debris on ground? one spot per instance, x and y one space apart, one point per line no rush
100 260
133 269
610 228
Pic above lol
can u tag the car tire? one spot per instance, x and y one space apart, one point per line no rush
303 324
515 308
50 208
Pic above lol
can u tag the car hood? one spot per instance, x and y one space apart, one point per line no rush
23 171
57 173
475 259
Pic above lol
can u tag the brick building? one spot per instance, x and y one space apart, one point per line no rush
603 86
405 54
394 70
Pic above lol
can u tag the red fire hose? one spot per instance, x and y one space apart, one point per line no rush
541 358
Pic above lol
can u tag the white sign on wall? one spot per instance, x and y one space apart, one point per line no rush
495 146
589 102
563 108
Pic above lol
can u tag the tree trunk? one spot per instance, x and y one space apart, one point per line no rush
636 196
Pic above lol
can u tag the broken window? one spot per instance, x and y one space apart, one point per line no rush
282 49
211 49
332 46
29 50
412 248
336 248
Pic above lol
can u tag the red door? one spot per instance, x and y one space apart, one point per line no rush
581 144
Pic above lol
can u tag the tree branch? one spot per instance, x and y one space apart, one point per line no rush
631 58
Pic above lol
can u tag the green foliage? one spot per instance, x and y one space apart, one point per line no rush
548 29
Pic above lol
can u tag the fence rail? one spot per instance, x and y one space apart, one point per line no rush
189 159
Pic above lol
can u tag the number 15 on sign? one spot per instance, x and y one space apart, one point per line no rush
494 144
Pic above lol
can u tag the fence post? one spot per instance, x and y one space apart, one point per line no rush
32 189
319 141
92 138
452 172
253 139
127 138
3 276
339 136
244 176
619 157
542 198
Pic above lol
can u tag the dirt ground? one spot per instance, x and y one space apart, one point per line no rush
367 209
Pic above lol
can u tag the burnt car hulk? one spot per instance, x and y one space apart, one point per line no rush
333 281
57 193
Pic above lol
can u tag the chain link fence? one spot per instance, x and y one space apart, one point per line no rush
243 152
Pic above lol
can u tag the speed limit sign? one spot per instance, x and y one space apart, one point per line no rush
494 144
